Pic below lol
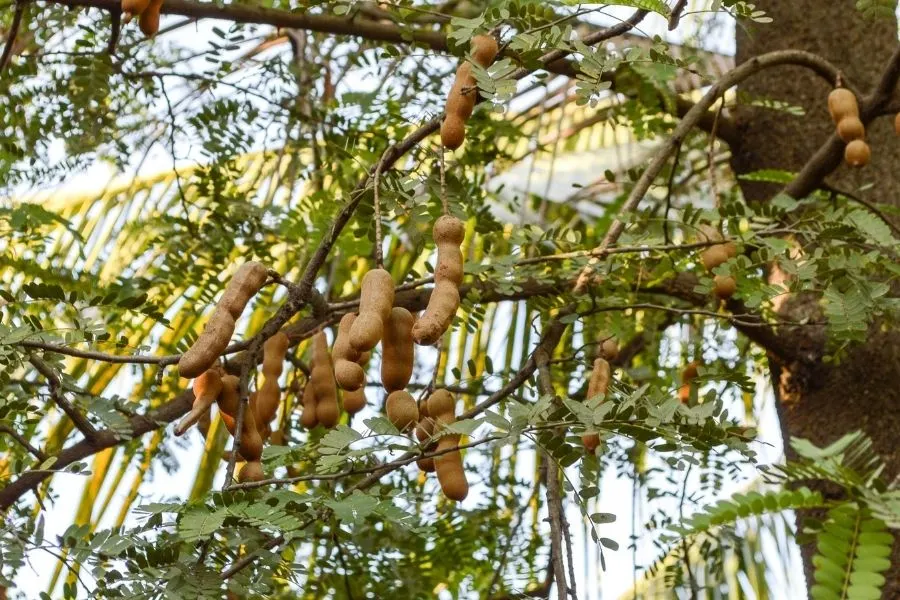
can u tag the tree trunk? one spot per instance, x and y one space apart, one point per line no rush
817 400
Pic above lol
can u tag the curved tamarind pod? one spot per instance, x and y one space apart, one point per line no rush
210 344
322 379
347 371
375 302
207 388
308 417
841 104
397 350
441 406
269 397
484 50
251 471
424 431
149 18
401 410
449 467
448 234
463 95
688 374
230 397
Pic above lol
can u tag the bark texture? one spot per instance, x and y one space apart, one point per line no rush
820 401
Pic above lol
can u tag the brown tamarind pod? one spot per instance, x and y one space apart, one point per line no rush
328 413
897 124
451 475
397 350
463 95
308 418
401 410
424 431
725 286
210 344
453 132
484 50
714 256
851 128
269 396
375 302
597 384
133 7
347 371
857 153
841 104
207 388
149 19
448 235
449 467
230 397
354 400
251 471
688 374
609 349
600 376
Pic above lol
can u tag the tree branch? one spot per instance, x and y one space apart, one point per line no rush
53 381
24 442
11 36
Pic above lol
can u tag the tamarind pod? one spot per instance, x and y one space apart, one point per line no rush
424 431
269 395
897 124
448 230
713 256
484 50
215 336
725 286
133 7
148 21
449 468
322 379
397 350
463 94
375 302
354 400
730 248
438 314
609 349
277 438
251 437
204 422
347 372
207 388
226 456
842 103
401 410
599 381
230 397
449 264
590 441
690 371
441 406
453 132
308 417
851 128
251 471
247 281
857 153
684 393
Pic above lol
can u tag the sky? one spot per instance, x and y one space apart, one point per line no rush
616 492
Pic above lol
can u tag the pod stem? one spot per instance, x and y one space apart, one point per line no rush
444 204
379 253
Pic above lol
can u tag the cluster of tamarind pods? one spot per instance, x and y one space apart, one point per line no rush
378 321
844 112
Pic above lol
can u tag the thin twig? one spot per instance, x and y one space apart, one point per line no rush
24 442
11 36
379 251
53 381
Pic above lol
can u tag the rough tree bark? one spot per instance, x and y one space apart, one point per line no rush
820 401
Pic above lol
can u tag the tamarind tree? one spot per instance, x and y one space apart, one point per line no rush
673 264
